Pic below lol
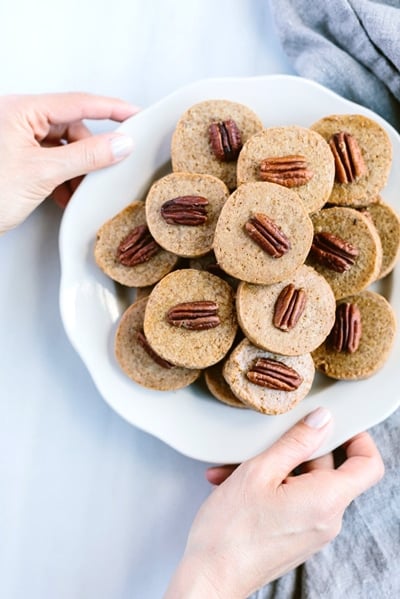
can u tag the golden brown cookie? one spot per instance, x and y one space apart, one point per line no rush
292 317
209 137
190 318
346 249
139 361
126 251
387 223
267 382
361 339
363 157
263 233
182 211
219 388
292 156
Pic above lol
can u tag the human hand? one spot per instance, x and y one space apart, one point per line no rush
261 523
44 143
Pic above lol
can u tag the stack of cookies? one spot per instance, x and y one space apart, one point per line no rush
253 258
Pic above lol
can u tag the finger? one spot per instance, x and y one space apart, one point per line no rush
76 106
71 132
325 462
83 156
62 194
75 182
218 474
77 131
296 446
364 466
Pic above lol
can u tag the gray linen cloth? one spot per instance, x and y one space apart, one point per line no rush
352 47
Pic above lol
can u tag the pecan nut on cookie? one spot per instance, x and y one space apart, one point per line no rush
361 340
346 249
209 137
292 317
363 156
268 382
182 210
263 233
291 156
190 318
126 251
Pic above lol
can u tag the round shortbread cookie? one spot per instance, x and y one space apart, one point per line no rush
348 226
219 388
240 255
274 326
177 197
168 332
115 231
191 150
387 223
292 156
264 399
378 328
374 145
139 362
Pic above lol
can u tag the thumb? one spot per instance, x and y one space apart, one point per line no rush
297 445
86 155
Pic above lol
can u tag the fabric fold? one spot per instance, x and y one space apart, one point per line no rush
350 46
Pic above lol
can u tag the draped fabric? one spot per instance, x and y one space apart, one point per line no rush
351 46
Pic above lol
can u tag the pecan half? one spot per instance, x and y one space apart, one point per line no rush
333 252
225 140
185 210
346 332
137 247
349 161
141 339
289 171
289 307
195 316
266 372
261 229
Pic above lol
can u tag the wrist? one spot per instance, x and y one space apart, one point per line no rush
193 579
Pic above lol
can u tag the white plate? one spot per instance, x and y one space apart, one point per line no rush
189 420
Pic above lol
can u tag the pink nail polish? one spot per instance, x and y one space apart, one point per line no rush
318 418
121 146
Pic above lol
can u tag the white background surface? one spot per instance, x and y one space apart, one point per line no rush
91 507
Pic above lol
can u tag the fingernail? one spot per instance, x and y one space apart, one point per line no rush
121 146
318 418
